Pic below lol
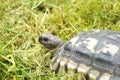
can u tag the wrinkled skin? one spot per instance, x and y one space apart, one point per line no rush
50 41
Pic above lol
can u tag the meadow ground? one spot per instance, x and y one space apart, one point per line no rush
21 22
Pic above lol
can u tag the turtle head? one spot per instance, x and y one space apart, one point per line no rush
50 41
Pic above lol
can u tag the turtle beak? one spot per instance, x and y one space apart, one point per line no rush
40 38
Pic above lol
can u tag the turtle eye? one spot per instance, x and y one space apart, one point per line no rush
45 39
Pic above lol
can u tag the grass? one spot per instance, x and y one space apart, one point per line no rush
21 22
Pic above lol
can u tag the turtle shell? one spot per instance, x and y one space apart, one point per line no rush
95 53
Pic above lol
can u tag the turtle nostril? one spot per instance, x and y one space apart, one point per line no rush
45 39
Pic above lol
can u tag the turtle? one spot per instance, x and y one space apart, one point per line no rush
96 53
